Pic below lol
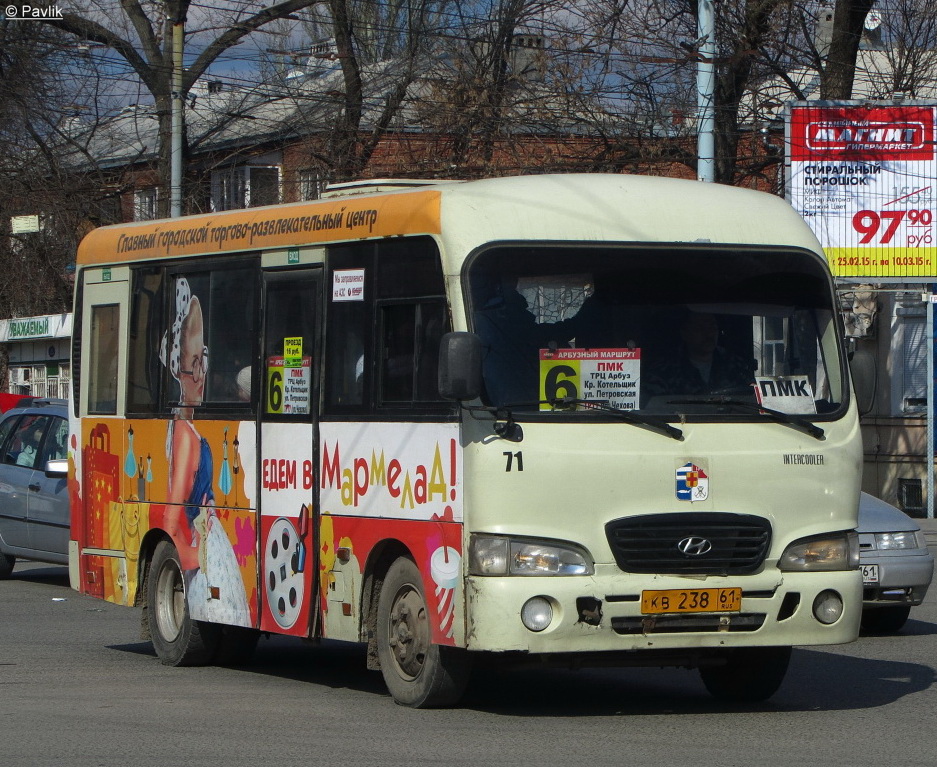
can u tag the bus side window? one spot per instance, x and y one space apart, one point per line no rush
146 327
102 377
348 363
410 336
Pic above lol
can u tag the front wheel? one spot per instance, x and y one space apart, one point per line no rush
417 672
177 639
749 674
7 562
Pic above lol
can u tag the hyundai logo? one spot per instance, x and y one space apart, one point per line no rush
694 546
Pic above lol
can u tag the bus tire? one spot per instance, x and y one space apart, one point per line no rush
885 620
7 561
749 675
417 672
177 639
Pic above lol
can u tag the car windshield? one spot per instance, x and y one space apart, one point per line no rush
665 331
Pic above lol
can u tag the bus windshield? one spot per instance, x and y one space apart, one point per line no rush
699 330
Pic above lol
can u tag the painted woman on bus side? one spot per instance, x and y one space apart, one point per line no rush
190 459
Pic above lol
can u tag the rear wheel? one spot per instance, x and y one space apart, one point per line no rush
6 565
417 672
749 675
177 639
885 620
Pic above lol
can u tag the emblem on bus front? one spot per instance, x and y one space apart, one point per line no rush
694 546
692 483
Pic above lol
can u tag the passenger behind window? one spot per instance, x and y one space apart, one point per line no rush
31 440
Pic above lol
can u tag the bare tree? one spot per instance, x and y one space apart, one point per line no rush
141 34
839 69
44 89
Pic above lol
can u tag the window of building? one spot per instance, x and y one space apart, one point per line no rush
312 184
145 202
245 186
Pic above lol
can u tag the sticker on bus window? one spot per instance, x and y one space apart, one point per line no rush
789 394
607 376
293 352
289 385
348 285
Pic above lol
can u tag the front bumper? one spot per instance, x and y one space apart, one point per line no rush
602 613
903 577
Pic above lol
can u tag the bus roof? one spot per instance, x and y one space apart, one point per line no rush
571 207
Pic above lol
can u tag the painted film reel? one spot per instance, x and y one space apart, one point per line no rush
284 559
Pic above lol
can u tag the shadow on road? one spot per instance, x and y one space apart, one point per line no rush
54 575
911 628
817 680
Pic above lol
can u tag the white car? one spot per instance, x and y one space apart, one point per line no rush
896 565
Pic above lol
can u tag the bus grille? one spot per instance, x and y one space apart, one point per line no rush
712 543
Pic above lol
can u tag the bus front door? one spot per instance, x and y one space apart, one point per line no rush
288 440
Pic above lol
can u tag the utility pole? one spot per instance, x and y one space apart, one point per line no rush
178 104
705 92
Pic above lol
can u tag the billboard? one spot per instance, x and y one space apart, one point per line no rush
863 175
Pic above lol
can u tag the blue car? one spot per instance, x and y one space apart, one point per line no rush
34 512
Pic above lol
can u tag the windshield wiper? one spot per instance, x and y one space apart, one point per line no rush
775 415
507 428
625 415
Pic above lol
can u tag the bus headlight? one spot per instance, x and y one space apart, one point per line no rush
501 555
835 551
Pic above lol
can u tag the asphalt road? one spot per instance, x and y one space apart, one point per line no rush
78 688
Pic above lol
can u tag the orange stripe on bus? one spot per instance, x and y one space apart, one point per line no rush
281 226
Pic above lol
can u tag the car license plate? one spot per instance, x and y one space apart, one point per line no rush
691 601
869 573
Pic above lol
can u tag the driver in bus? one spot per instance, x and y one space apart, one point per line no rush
701 365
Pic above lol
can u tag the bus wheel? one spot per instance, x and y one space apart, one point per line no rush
6 565
750 674
177 639
417 672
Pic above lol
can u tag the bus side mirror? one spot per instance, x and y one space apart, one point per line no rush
864 380
460 366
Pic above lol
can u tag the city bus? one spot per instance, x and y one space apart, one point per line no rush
577 419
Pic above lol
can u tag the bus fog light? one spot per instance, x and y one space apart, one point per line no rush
828 607
537 613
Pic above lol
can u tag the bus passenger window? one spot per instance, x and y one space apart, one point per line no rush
348 363
146 327
410 335
102 378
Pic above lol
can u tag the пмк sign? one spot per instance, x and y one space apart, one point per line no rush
864 177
